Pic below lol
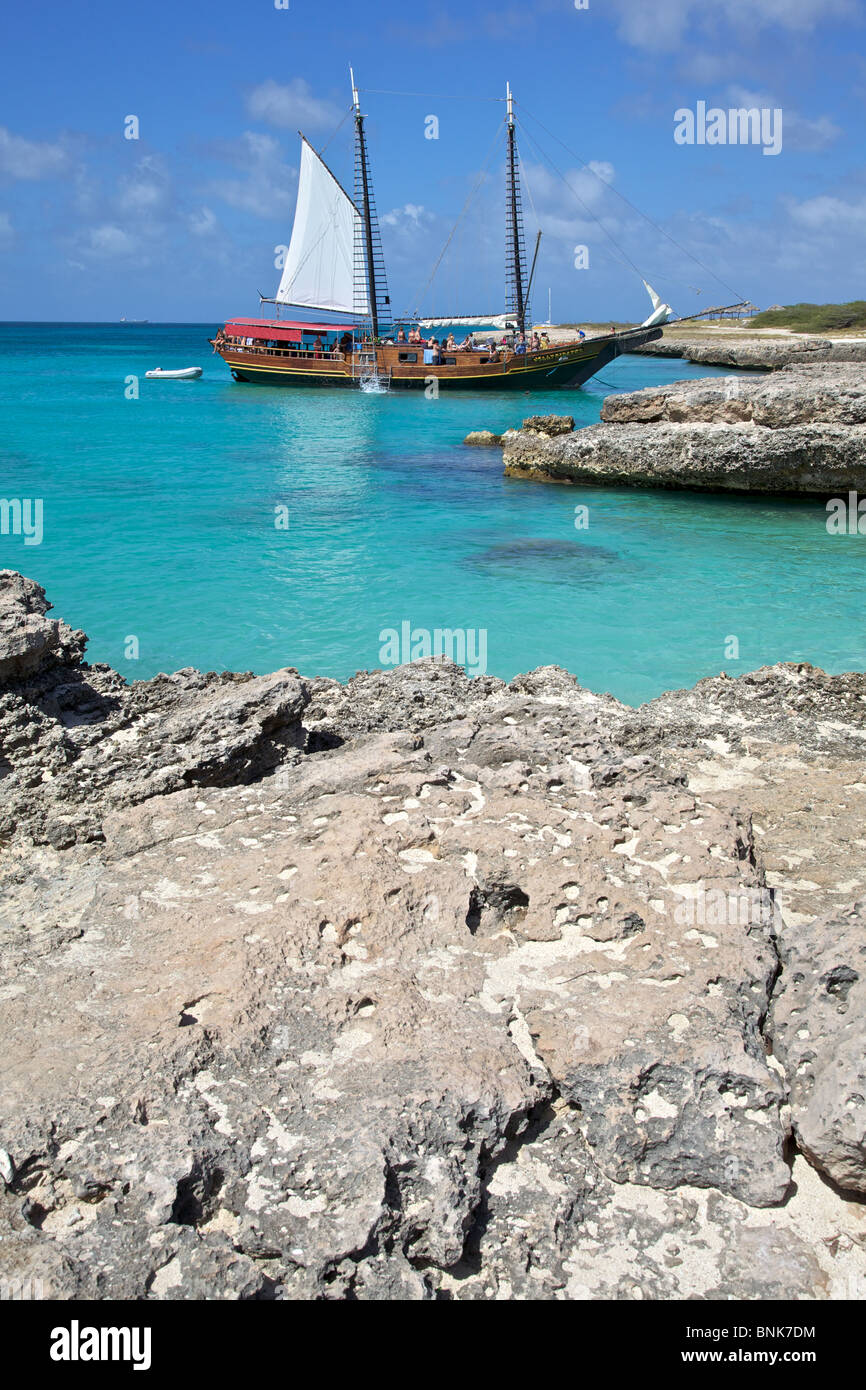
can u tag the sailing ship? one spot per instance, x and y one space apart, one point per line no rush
335 265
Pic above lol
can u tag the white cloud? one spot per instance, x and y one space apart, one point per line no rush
30 159
662 25
590 184
110 240
146 190
572 213
291 105
826 213
413 214
798 132
203 223
7 234
268 184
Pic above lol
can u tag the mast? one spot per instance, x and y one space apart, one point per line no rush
372 261
515 254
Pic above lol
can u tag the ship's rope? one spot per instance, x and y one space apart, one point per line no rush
574 193
478 182
629 204
428 96
335 133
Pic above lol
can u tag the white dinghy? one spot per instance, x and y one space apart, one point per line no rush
179 374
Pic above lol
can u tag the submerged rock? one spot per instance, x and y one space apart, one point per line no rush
802 430
415 987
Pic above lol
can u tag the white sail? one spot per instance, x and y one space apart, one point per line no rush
319 269
467 321
661 312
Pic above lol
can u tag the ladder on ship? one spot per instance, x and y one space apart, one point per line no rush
365 371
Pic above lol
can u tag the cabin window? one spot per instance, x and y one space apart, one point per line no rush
450 361
408 357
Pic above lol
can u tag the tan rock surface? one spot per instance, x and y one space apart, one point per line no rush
412 994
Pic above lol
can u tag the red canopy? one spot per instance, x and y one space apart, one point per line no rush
282 329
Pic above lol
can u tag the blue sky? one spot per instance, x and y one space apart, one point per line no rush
182 224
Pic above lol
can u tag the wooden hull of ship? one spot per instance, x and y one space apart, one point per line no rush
568 365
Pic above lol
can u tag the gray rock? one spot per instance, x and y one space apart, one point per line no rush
550 425
795 396
402 989
800 431
483 438
76 740
759 354
27 638
818 1026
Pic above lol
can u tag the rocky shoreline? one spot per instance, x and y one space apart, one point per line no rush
757 354
801 430
422 987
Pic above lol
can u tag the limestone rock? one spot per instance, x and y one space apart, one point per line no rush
550 425
818 1027
76 740
800 431
408 988
757 354
27 637
485 438
797 395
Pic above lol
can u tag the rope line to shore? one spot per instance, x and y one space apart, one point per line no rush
629 204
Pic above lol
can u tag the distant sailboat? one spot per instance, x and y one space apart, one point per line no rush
126 320
335 265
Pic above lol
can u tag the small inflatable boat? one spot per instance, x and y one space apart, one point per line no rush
180 374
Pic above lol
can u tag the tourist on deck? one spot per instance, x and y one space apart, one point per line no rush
401 336
520 346
414 334
450 343
317 346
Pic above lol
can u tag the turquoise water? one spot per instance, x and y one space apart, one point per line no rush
159 523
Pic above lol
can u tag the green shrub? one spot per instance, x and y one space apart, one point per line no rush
814 318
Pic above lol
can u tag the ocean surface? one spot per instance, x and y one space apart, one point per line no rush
230 526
